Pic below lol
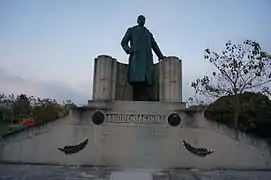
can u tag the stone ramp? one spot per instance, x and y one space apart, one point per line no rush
41 172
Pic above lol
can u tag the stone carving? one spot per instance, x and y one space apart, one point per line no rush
136 118
202 152
98 118
174 119
140 70
157 132
71 149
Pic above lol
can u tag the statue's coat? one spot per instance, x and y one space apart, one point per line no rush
142 43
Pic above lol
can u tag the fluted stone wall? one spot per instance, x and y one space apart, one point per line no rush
110 80
170 79
104 80
123 89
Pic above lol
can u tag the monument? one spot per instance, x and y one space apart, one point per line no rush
140 67
119 129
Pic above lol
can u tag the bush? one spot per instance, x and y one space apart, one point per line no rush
255 113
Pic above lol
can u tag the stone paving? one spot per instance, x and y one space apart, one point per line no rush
40 172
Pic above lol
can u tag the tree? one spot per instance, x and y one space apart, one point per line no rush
10 105
196 103
22 106
239 68
3 108
255 113
15 108
46 110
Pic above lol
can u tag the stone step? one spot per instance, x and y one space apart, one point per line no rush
126 175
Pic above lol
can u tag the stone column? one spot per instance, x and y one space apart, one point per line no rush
170 79
104 80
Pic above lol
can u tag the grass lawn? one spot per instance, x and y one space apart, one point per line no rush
3 128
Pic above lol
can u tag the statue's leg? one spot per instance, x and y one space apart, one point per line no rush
135 93
149 92
140 92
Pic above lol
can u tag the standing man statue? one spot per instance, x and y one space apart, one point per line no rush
140 68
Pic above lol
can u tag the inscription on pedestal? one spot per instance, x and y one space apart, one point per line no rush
156 132
136 118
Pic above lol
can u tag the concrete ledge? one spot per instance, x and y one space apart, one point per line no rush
101 105
127 105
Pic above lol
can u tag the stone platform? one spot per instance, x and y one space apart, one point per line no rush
129 134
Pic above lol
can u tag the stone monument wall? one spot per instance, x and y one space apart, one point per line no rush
135 134
123 90
110 80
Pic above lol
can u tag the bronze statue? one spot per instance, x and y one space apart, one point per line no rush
140 72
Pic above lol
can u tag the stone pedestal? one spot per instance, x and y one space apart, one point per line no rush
110 80
135 135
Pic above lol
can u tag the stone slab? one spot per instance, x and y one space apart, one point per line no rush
131 175
136 106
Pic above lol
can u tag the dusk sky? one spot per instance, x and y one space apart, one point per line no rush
47 47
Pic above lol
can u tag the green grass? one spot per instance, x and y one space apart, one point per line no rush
3 129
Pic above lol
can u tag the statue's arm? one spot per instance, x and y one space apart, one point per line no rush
156 48
125 40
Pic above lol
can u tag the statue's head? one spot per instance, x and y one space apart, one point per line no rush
141 20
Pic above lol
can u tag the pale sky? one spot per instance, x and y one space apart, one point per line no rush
47 47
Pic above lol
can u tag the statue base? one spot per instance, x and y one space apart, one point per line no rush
135 134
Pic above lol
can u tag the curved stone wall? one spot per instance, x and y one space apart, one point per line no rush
110 80
104 79
170 79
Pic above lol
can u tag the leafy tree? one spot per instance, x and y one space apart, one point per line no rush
66 106
14 108
197 103
6 108
46 110
239 68
255 113
22 106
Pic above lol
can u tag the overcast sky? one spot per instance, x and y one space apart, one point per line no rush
47 47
